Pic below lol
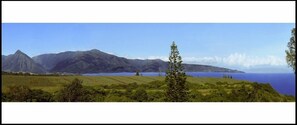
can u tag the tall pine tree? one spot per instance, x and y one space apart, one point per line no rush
291 52
176 78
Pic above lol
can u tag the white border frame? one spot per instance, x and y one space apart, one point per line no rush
148 12
149 112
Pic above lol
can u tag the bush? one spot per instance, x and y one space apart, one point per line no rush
242 94
38 95
75 92
140 95
24 94
114 98
156 96
128 92
219 95
4 97
119 96
195 96
18 94
154 84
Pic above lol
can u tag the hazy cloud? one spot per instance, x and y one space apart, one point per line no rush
235 59
238 59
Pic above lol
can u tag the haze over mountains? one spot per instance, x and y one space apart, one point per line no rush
92 61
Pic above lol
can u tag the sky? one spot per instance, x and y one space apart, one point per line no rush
249 47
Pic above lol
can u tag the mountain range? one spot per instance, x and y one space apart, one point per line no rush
92 61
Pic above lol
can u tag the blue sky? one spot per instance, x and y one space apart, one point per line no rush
250 47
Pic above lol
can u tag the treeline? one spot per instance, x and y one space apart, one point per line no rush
151 92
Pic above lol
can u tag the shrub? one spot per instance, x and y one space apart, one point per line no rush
115 98
18 94
195 96
38 95
74 92
140 95
156 96
24 94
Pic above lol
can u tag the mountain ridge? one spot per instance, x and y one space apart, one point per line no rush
96 61
20 62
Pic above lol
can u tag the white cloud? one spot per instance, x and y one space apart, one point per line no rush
237 59
164 58
201 60
233 60
249 61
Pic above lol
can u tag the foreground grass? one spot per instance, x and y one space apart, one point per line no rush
54 83
124 88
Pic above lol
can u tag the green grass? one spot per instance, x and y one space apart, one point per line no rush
210 89
53 83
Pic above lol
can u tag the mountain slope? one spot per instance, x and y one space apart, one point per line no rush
3 59
49 61
20 62
95 61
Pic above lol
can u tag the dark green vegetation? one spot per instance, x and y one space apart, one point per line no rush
93 61
291 52
176 78
21 88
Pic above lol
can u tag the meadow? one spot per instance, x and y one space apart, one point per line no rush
54 83
141 89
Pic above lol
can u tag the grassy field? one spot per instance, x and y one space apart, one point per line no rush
54 83
129 88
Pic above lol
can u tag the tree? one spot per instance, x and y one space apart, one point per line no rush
291 55
140 95
38 95
73 92
176 77
19 93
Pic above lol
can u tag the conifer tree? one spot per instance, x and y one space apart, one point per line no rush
291 52
176 77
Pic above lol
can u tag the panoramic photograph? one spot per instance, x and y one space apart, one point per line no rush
148 62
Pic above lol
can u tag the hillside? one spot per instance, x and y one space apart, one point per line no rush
20 62
92 61
96 61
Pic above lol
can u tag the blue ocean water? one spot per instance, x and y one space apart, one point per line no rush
282 82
